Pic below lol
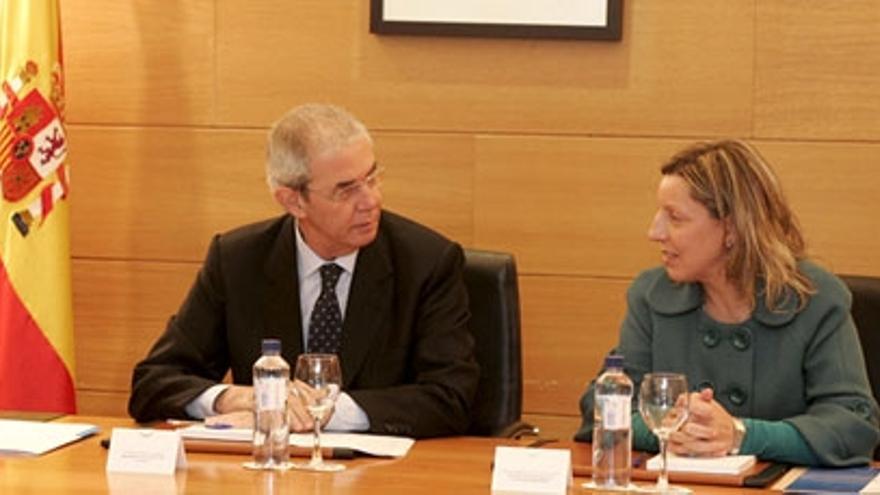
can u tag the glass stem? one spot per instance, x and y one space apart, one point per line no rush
663 479
317 458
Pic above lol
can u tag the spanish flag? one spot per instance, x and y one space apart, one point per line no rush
36 313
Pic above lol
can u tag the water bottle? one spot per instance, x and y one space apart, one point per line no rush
612 428
271 426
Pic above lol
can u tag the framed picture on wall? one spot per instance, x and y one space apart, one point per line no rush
561 19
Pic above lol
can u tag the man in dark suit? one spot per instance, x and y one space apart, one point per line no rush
404 346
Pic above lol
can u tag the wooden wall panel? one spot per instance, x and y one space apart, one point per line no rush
139 62
569 325
428 177
157 193
818 70
673 73
569 206
93 403
120 308
273 55
833 189
161 193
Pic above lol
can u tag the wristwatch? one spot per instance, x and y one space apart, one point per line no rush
739 433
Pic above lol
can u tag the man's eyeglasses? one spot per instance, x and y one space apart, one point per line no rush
346 191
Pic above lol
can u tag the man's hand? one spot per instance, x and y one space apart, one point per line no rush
235 407
300 396
235 398
709 430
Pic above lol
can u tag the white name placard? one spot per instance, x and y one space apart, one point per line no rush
145 451
530 470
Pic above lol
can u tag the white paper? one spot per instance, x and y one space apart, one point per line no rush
530 470
376 445
36 437
873 486
145 451
730 464
199 431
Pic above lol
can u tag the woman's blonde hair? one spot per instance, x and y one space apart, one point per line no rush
736 184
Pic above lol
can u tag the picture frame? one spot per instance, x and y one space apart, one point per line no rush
555 19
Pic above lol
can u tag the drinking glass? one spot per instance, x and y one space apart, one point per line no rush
321 372
663 403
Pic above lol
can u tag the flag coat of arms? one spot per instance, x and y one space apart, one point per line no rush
36 314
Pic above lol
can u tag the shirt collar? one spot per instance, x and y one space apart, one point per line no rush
308 262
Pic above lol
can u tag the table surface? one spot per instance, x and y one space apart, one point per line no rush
460 465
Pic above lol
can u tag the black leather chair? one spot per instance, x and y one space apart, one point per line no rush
866 314
493 291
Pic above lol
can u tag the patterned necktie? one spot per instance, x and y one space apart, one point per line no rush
325 325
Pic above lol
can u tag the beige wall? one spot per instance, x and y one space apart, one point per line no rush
548 149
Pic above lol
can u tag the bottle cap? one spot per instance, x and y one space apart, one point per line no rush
271 346
614 361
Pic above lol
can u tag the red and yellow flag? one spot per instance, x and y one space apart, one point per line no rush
36 314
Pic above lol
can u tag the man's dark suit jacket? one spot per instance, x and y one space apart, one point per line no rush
407 354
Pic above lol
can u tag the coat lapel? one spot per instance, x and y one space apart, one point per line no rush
281 310
369 305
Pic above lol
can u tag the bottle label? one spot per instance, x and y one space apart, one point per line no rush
271 394
616 412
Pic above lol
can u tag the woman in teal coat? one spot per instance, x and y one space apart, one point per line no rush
764 336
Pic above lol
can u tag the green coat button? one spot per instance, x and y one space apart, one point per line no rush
711 338
741 339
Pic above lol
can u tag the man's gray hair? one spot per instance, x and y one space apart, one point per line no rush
307 132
